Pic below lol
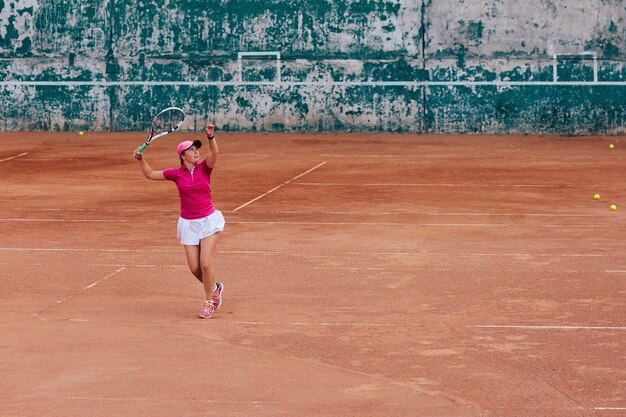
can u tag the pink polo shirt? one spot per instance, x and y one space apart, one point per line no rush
194 189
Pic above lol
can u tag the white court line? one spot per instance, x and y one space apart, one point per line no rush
85 250
278 252
373 268
322 324
141 265
49 159
236 252
175 400
610 408
462 269
93 284
376 268
74 220
366 324
412 213
486 158
276 188
338 268
530 163
592 225
172 400
417 184
352 213
497 326
13 157
377 224
438 213
263 323
92 210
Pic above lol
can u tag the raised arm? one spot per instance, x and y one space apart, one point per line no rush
211 158
148 172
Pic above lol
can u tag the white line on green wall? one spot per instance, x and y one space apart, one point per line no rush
287 84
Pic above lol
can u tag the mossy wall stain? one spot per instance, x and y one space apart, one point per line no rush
321 44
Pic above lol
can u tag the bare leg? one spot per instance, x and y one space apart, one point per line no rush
208 248
193 260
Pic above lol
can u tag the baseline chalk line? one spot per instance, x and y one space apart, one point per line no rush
548 327
485 185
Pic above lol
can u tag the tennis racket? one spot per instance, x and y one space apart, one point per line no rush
167 121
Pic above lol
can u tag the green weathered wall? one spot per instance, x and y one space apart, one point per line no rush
398 66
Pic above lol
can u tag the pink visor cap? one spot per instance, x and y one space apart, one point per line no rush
183 146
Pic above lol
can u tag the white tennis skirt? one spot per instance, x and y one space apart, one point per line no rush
190 232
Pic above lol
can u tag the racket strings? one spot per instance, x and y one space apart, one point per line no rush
168 120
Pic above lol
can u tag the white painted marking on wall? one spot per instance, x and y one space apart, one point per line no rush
13 157
241 55
276 188
324 84
555 59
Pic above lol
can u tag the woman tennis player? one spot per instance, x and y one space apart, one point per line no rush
199 224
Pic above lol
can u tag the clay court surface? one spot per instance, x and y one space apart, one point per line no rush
365 275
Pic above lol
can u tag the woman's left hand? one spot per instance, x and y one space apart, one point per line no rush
210 129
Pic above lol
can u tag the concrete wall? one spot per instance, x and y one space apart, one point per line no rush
438 66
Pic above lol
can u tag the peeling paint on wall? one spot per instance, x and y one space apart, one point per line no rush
351 65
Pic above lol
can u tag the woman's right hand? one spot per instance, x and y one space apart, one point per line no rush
137 155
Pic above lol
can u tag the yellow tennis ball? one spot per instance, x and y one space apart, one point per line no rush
613 207
596 196
611 146
81 133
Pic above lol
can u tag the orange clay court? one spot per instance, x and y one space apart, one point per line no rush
365 275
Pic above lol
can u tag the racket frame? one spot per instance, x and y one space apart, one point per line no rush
153 131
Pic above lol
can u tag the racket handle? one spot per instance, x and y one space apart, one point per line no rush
141 148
